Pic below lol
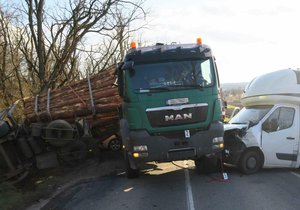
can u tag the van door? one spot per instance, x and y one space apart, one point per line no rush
280 137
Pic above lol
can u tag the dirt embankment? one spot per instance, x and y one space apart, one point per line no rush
42 185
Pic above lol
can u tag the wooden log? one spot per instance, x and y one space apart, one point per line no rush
70 99
104 78
101 111
73 102
83 94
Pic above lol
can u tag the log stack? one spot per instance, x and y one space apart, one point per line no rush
74 101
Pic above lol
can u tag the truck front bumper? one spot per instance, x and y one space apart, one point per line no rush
143 147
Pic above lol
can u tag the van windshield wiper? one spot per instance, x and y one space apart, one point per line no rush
238 123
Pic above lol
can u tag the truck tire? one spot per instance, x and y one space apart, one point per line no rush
250 162
207 165
130 172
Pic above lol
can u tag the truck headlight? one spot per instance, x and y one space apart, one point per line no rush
140 148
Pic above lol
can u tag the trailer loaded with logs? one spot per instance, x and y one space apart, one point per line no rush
56 125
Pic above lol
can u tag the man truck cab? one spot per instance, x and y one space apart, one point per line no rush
171 105
265 133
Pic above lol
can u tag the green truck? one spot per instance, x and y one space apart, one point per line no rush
171 106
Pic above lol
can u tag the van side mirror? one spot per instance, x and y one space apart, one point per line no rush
250 124
265 127
270 126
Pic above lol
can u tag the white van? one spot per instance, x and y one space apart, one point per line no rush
266 132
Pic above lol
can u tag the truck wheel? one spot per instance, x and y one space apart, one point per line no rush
130 173
207 165
250 162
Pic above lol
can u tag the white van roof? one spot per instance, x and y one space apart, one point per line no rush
281 86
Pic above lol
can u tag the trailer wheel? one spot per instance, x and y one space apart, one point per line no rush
250 162
207 165
19 177
130 172
115 144
74 152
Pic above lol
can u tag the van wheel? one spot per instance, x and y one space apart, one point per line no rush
250 162
115 144
130 172
206 165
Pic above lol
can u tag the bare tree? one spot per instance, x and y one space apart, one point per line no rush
56 45
115 44
4 72
10 81
40 48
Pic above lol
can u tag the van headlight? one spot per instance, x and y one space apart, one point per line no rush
218 140
140 148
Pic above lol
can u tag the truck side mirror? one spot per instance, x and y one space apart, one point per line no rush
120 81
128 65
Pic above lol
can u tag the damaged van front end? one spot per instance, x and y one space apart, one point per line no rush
242 136
237 138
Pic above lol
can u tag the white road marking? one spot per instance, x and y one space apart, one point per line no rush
188 188
298 175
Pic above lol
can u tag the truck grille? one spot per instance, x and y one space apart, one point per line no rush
177 115
178 134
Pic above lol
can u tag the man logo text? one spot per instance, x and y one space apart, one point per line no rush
178 117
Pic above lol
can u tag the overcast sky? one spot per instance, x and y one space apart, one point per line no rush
248 38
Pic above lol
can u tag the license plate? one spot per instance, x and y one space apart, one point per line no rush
187 134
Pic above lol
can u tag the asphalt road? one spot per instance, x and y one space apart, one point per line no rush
178 186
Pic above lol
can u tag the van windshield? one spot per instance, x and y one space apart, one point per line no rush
169 75
253 114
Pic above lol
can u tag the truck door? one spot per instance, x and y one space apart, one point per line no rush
280 137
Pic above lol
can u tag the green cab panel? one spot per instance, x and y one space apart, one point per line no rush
201 104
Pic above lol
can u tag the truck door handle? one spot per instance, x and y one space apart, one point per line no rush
290 138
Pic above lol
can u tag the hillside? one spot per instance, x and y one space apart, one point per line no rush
233 86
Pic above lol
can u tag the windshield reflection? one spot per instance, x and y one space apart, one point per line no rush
172 75
250 114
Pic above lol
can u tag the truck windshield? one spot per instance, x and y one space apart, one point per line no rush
171 75
253 114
